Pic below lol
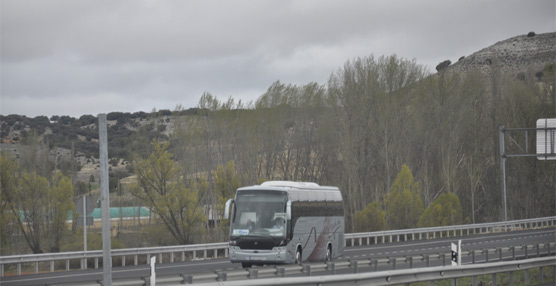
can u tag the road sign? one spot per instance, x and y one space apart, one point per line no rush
546 139
89 206
456 250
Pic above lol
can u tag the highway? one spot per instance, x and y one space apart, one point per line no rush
413 248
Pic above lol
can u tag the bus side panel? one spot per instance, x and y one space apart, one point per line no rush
315 233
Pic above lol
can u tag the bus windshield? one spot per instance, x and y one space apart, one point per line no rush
259 213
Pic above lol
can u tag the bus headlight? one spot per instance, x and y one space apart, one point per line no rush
232 243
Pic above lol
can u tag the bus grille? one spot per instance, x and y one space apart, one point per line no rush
267 245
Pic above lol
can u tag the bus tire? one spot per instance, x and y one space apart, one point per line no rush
328 256
246 265
298 256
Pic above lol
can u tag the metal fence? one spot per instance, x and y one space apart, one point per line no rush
213 250
382 271
367 238
406 276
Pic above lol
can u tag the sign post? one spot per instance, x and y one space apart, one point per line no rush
84 207
153 272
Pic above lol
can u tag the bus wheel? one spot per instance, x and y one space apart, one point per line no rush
298 256
246 265
329 253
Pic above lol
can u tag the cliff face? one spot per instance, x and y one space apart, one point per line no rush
515 55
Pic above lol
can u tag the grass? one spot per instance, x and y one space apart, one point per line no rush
504 279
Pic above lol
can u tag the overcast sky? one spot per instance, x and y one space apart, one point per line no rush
89 57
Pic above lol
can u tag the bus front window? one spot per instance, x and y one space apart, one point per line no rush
259 214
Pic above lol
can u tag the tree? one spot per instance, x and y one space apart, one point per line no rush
445 210
226 181
8 185
371 218
60 198
161 188
403 203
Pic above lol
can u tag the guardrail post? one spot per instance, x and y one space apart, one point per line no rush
393 262
443 255
375 263
499 253
135 260
410 260
186 279
541 274
355 265
331 266
526 275
223 276
493 279
538 250
36 267
67 265
307 269
526 251
473 257
485 252
51 266
19 269
253 274
281 271
511 278
427 259
513 252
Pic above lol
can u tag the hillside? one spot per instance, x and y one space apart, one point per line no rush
516 55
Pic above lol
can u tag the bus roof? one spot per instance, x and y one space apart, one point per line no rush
289 185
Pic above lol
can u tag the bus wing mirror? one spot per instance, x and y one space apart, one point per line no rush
227 208
289 210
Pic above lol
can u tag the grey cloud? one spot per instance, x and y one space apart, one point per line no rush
137 55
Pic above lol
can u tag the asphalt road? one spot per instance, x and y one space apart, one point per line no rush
432 247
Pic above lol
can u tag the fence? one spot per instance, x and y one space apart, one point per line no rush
213 250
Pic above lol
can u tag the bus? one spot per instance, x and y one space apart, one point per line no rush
281 222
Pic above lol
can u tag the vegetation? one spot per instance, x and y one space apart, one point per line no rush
406 148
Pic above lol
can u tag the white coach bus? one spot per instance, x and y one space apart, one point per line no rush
281 222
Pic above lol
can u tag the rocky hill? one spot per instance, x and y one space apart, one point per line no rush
517 55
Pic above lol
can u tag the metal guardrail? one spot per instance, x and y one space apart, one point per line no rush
190 252
367 238
404 276
406 267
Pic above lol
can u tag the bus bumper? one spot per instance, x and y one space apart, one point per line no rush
278 255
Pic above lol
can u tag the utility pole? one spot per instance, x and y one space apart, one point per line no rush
105 200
